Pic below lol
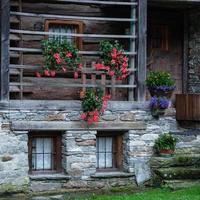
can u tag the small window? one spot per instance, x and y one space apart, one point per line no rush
159 37
65 26
109 152
45 152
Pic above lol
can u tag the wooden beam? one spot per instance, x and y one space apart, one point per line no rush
5 59
61 126
99 2
74 34
74 105
34 50
142 48
185 54
48 16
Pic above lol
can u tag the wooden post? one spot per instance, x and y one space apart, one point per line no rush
185 54
142 28
132 58
5 58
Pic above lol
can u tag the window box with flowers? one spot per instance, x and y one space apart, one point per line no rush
59 56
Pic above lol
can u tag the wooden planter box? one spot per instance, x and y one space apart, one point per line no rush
188 107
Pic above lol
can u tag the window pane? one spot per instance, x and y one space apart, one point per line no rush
42 149
104 152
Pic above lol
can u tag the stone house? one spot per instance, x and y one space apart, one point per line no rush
44 145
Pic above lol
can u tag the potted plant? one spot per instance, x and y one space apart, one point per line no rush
158 105
160 83
165 144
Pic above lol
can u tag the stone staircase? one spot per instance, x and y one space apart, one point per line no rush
178 171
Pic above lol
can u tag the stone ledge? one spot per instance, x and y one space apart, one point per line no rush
43 177
112 175
57 125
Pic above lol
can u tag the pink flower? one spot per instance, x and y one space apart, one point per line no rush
96 118
75 75
56 56
125 65
113 61
83 116
80 66
64 69
53 73
99 66
111 73
126 59
124 76
37 74
46 72
90 120
107 68
124 70
68 54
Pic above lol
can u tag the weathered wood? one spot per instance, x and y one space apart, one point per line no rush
185 53
5 27
142 45
69 105
44 125
188 107
33 50
132 59
74 34
99 2
48 16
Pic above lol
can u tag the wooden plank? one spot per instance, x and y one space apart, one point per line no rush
142 46
131 78
74 34
14 37
99 2
62 17
5 59
185 53
44 125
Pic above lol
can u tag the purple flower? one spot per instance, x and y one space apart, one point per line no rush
163 103
165 88
154 102
159 102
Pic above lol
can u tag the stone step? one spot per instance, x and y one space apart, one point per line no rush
176 160
14 37
180 184
178 173
14 20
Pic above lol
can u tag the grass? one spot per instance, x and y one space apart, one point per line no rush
192 193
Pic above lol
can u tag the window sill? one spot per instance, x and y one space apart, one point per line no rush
42 177
112 175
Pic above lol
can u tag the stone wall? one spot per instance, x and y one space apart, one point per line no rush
194 53
79 148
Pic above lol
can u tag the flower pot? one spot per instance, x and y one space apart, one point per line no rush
166 152
160 93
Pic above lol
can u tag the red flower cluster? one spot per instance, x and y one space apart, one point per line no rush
94 116
115 65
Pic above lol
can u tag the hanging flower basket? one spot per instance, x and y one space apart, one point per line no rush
114 61
59 56
94 104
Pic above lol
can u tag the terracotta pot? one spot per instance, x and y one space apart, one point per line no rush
160 93
166 152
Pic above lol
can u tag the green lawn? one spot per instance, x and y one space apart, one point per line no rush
154 194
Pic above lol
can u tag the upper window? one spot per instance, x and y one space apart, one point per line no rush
65 26
109 151
45 152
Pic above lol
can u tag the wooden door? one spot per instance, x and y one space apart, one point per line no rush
165 47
